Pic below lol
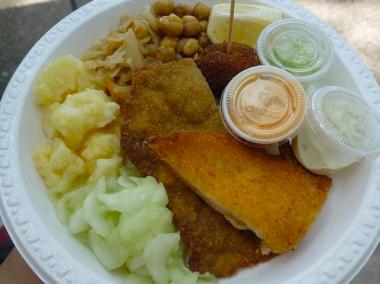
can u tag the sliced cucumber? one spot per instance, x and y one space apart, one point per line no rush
110 252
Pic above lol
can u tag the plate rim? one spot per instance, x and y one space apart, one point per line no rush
53 267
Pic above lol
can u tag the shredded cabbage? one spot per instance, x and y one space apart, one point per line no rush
134 56
127 224
125 48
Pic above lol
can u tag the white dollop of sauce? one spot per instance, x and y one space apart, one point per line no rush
348 120
345 120
316 154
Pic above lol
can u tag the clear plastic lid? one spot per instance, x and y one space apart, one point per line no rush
263 105
344 119
297 47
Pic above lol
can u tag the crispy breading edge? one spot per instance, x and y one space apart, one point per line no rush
322 184
205 260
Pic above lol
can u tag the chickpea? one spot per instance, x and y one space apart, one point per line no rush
181 44
203 40
169 42
201 11
171 25
183 10
204 25
163 7
165 54
191 47
152 50
191 26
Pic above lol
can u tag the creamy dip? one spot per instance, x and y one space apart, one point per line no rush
297 47
263 105
340 130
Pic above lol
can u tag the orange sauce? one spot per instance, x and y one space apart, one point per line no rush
265 107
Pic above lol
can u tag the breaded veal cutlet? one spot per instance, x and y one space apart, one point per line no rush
171 98
275 197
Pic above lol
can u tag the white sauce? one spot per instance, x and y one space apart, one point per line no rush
344 120
316 154
348 120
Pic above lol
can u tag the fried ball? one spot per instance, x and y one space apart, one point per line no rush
219 68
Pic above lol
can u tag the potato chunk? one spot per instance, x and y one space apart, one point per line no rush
82 112
58 166
65 76
100 146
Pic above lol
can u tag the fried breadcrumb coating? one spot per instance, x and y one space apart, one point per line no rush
219 68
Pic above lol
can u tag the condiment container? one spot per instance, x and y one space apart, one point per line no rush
297 47
263 106
340 129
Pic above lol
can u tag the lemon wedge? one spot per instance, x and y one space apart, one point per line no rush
249 21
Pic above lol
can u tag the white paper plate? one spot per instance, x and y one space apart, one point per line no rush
340 242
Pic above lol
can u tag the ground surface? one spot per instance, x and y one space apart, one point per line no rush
23 22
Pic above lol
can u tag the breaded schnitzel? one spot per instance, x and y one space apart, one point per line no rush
170 98
274 197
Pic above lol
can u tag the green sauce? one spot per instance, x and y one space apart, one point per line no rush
295 50
297 47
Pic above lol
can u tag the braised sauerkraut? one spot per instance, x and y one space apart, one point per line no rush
131 45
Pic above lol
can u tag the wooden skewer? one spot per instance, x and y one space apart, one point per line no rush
232 12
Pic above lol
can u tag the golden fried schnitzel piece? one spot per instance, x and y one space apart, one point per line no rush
214 244
274 197
169 98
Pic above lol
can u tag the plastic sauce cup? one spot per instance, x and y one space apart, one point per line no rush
340 129
297 47
263 106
